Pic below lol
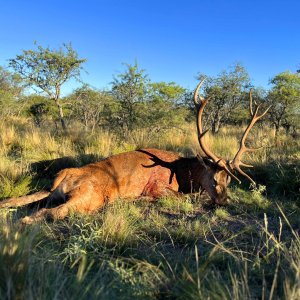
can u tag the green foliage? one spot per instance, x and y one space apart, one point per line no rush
285 100
15 188
164 109
134 101
145 104
222 213
10 92
179 205
162 91
91 107
256 198
7 103
48 70
10 82
281 178
240 114
226 91
129 88
38 107
137 251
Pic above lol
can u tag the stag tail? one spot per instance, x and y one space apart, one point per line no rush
236 163
21 201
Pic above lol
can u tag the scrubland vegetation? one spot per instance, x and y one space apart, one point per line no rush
173 248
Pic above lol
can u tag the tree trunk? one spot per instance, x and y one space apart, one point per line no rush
287 129
93 127
60 110
86 123
277 127
61 116
216 124
294 133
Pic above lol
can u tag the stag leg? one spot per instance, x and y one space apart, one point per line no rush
83 199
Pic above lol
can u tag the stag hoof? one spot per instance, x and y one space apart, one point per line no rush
27 221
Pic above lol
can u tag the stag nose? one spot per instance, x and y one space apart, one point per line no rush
222 199
220 196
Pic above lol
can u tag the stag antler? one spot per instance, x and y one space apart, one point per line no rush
200 108
236 163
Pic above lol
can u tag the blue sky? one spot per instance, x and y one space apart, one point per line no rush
172 40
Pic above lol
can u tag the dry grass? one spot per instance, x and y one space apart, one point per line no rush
175 248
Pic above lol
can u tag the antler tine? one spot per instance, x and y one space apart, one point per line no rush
245 165
196 93
251 104
200 108
246 175
260 116
257 107
236 162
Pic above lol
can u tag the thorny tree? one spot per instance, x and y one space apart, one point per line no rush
227 91
129 88
48 70
285 100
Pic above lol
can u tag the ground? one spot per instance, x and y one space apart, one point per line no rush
174 248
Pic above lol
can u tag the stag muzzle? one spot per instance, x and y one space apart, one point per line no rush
221 198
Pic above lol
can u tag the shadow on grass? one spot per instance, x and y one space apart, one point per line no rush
45 171
282 179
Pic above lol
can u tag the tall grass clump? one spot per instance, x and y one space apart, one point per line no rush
174 248
113 231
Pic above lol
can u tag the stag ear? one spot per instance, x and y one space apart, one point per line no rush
216 177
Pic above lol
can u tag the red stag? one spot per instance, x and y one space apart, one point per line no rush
150 173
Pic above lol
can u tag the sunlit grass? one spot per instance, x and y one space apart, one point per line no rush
177 205
102 143
176 248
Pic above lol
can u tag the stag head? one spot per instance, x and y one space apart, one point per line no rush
218 170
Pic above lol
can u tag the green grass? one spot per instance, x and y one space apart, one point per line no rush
175 248
135 250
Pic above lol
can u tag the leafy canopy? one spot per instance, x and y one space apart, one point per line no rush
285 99
48 69
227 93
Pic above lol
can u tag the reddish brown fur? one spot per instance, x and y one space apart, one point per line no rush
148 173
